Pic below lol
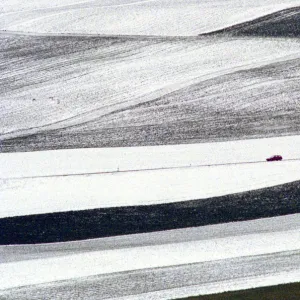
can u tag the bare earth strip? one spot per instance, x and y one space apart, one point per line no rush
103 222
281 291
284 23
13 253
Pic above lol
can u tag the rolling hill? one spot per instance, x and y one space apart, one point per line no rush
69 92
284 23
160 222
133 17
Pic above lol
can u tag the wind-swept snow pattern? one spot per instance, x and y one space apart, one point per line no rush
206 90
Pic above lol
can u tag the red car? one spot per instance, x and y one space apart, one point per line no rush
274 158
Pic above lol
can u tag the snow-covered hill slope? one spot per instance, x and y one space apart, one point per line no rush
94 92
143 17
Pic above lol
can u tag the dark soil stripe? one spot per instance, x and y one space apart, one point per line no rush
284 291
284 23
104 222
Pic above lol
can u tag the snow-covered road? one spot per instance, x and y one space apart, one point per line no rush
153 175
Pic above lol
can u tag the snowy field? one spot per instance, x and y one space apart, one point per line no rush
121 260
247 241
182 179
131 17
13 253
55 194
81 161
90 74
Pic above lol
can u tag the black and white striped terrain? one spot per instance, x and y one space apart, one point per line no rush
209 89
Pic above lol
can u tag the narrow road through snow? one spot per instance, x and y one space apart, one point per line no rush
142 175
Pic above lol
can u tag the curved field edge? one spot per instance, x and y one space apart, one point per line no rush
289 291
147 17
87 224
284 23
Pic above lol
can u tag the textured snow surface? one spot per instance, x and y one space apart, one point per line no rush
220 287
189 181
75 85
133 17
255 242
120 260
100 78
